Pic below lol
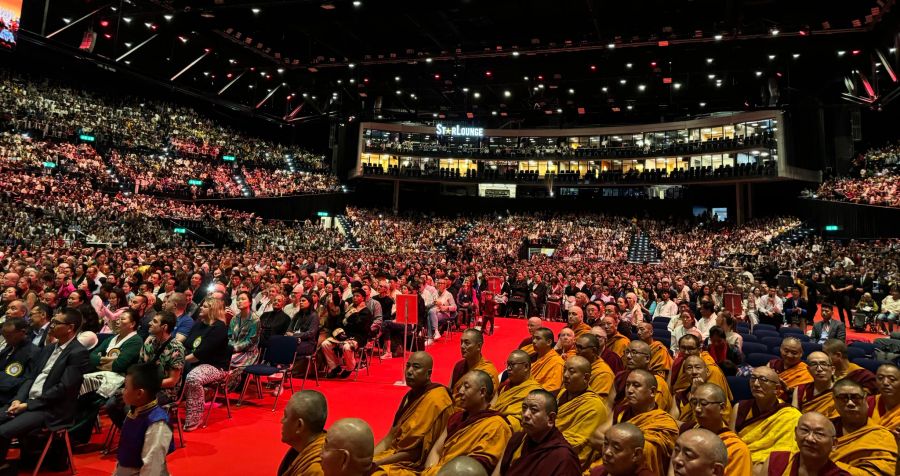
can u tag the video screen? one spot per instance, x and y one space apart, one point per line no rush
10 13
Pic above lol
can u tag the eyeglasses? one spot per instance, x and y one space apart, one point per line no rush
846 397
703 403
761 379
634 352
819 365
817 435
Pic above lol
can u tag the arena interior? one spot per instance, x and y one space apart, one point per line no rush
335 237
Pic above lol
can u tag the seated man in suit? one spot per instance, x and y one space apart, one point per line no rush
828 328
15 359
48 395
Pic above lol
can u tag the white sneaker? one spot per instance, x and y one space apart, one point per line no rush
437 335
428 342
386 356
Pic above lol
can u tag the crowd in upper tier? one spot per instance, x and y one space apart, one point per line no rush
874 179
156 147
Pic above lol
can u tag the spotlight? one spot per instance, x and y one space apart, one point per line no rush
622 81
428 60
357 3
611 45
628 65
709 60
476 95
255 11
168 17
702 104
571 91
515 53
771 57
676 85
642 87
758 74
718 37
774 31
507 94
841 52
796 55
126 19
397 78
67 20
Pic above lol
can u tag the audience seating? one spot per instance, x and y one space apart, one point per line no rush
749 337
869 364
867 347
754 348
220 385
855 353
281 352
771 342
740 387
53 434
758 360
810 347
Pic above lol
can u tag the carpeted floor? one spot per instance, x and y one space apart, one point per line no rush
249 443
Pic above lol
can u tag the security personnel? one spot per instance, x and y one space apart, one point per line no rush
15 358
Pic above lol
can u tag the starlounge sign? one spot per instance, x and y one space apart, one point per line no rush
459 131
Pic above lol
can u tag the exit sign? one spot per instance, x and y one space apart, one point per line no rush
322 214
195 182
228 158
181 231
50 165
832 228
86 138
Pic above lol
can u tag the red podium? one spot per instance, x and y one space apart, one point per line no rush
407 314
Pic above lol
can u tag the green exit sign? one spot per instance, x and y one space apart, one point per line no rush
228 158
195 182
322 214
86 138
832 228
50 165
181 231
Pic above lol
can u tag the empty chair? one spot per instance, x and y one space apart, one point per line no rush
856 353
749 337
790 330
764 327
759 360
762 334
660 325
810 347
869 364
664 320
754 348
867 347
771 341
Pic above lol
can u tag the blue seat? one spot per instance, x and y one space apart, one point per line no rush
765 327
660 325
790 330
771 341
749 337
664 320
754 348
740 388
869 364
759 360
764 333
810 347
855 353
665 340
867 347
280 354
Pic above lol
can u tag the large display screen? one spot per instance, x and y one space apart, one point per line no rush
10 12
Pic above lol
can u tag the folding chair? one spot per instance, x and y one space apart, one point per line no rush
281 351
220 385
53 434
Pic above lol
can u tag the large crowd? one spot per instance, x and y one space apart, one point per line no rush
874 180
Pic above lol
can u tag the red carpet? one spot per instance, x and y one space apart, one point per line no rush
250 442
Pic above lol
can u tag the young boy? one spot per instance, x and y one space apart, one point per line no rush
146 435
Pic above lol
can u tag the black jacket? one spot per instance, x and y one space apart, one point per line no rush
15 366
60 392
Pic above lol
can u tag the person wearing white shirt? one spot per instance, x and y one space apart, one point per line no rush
666 307
707 318
769 308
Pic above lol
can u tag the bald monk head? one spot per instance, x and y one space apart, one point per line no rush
566 339
623 452
576 316
518 367
819 366
587 345
538 414
304 418
850 403
462 466
708 401
418 370
637 355
542 341
475 391
815 438
534 323
349 447
888 378
699 452
470 345
791 351
640 391
764 385
576 375
695 367
645 332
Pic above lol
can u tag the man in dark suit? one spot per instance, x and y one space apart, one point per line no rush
40 316
828 328
15 359
795 309
48 396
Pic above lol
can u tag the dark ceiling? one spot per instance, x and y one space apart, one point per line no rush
586 62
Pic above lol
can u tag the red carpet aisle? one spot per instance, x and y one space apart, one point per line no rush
250 443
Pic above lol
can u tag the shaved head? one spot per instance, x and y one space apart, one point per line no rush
462 466
711 391
579 363
704 442
353 436
631 434
475 335
311 406
422 358
519 355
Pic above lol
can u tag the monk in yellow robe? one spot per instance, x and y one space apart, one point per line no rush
547 369
708 401
683 409
418 423
765 422
353 437
580 409
817 396
303 429
843 368
615 342
475 431
884 408
601 382
565 345
790 367
861 447
689 344
639 408
513 391
470 344
660 358
637 356
576 322
815 439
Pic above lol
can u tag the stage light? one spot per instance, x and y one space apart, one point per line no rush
280 70
855 52
67 20
642 87
540 77
107 36
604 89
559 111
127 44
465 90
571 91
507 94
305 94
709 60
515 54
168 17
653 64
434 114
677 85
357 3
262 73
437 76
351 65
126 19
399 92
796 55
488 74
628 65
526 78
493 113
352 80
611 45
630 107
428 60
183 39
397 78
711 76
771 57
104 23
593 67
148 24
255 11
623 81
774 31
702 104
476 95
841 52
541 86
758 74
718 37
